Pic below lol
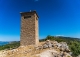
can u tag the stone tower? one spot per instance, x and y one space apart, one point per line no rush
29 28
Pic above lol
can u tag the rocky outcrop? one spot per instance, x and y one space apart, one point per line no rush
61 49
62 46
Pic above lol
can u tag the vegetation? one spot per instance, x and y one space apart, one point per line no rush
11 45
73 43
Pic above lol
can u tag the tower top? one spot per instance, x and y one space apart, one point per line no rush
31 12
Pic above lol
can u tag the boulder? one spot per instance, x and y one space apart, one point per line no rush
48 43
45 46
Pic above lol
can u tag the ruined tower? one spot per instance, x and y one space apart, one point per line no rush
29 28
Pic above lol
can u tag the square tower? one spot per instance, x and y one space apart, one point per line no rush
29 28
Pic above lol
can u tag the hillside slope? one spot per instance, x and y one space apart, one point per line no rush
45 49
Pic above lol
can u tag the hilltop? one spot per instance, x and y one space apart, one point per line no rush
72 43
45 49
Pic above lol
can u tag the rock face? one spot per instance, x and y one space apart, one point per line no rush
62 47
45 49
54 44
47 44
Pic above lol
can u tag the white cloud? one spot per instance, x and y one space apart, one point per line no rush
59 35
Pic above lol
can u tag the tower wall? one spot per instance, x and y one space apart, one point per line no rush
36 30
29 29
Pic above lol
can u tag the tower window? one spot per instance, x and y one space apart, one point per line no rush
25 17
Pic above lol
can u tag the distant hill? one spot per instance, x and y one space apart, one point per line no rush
61 38
9 45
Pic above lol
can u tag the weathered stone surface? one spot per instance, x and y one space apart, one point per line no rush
48 44
29 28
63 46
45 46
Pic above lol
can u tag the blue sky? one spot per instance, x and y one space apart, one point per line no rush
57 17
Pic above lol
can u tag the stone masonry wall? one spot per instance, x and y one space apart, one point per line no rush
29 30
36 30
